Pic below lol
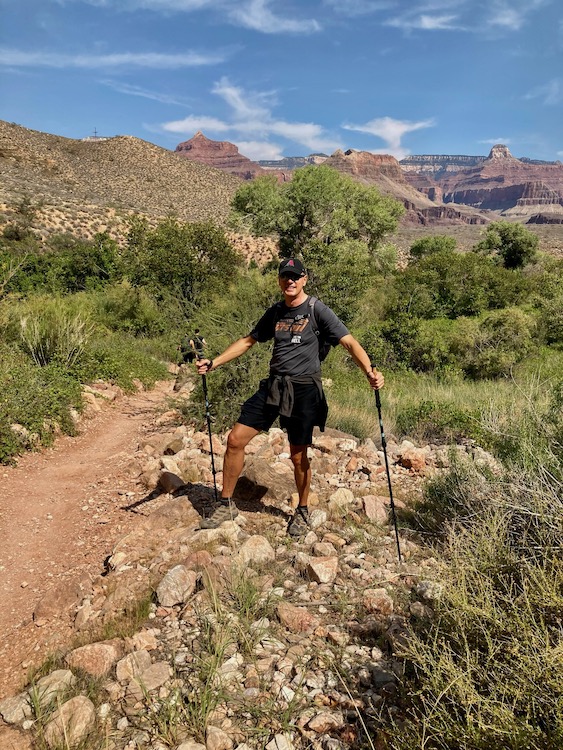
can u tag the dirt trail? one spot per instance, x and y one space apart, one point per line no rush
61 512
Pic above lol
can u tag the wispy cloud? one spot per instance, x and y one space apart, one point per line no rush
360 7
157 96
155 60
512 15
251 14
252 122
426 22
391 131
257 15
495 141
550 93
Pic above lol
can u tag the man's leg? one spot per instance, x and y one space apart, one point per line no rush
302 471
238 439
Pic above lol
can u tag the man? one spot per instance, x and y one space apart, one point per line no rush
293 391
198 344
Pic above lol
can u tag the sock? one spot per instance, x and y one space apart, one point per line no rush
303 509
226 500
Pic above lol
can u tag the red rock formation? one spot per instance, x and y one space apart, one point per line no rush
500 183
219 154
384 172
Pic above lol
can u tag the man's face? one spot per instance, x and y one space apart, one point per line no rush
291 284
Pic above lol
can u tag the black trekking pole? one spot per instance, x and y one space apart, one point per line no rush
384 445
208 418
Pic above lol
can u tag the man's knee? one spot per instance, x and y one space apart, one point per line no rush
300 457
239 438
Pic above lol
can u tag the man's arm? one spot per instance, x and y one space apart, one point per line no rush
360 357
231 352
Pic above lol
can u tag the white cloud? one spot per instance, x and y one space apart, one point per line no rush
155 60
256 14
391 131
257 150
359 7
130 90
495 141
253 122
194 122
426 22
512 16
550 93
245 106
252 14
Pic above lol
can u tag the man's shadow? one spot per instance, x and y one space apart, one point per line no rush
248 496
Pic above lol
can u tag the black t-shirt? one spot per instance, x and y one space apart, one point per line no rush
296 346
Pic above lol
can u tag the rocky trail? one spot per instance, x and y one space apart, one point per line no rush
250 640
61 511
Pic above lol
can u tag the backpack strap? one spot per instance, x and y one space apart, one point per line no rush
313 316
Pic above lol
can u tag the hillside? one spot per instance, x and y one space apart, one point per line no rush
90 186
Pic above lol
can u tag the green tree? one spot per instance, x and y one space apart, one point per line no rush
434 244
515 245
319 204
188 261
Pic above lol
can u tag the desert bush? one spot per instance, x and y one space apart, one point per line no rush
124 307
551 320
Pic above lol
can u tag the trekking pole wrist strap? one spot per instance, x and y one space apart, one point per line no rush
209 365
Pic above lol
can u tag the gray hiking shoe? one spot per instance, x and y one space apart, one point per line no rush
224 511
299 524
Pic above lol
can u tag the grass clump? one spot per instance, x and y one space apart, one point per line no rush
485 670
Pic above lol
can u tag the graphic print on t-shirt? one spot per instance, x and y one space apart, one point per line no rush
293 325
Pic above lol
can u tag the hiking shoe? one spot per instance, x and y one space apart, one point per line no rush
299 524
224 511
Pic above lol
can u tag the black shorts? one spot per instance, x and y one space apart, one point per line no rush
304 416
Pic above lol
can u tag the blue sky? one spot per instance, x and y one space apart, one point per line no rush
290 77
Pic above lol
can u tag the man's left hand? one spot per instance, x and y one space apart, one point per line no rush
376 379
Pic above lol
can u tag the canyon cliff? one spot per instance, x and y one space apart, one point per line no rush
221 155
499 182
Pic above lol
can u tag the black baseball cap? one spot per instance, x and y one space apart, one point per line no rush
292 267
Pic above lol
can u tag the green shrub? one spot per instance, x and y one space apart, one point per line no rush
39 399
448 284
514 245
503 338
432 244
433 421
118 359
50 332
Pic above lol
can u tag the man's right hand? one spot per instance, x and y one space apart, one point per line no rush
204 366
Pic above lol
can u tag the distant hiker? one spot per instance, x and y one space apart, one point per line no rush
293 391
198 344
191 348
